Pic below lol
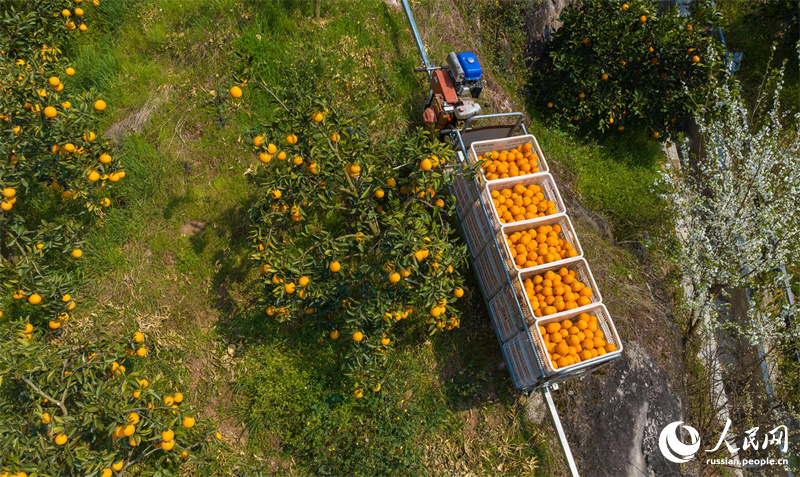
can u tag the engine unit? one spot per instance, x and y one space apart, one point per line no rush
454 89
466 73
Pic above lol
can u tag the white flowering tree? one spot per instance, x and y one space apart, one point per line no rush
737 223
738 219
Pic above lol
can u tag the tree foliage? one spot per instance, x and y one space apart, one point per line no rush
351 234
56 172
617 64
87 406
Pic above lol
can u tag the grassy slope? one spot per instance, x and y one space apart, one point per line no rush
172 256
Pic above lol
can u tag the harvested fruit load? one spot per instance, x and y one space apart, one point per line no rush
555 291
569 343
522 203
538 246
518 161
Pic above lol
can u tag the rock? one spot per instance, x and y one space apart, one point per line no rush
542 22
618 414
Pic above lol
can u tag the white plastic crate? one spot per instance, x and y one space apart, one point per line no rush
491 271
604 323
476 229
478 148
549 190
583 273
521 361
567 233
464 190
505 313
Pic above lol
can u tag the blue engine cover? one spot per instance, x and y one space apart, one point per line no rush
472 69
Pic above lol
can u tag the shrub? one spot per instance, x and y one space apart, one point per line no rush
86 406
56 171
351 234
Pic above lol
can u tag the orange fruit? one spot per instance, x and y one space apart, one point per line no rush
335 266
50 112
358 336
100 105
188 422
334 335
236 92
61 439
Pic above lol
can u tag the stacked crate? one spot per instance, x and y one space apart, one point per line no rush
501 278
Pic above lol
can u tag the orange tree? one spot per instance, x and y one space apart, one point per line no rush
56 171
87 406
616 64
351 235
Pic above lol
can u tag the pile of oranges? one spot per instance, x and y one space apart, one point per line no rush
516 162
539 246
569 343
552 292
521 203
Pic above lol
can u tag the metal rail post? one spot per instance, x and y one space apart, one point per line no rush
420 46
562 437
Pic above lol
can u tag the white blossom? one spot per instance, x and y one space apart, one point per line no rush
737 212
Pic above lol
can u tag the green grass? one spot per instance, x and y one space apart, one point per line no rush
614 176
